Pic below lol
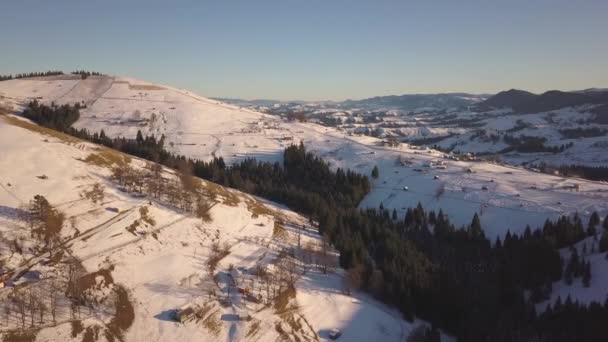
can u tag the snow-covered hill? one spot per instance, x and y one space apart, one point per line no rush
139 259
507 197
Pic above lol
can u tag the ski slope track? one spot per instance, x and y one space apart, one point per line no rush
202 128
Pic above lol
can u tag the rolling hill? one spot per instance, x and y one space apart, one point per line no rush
202 128
134 262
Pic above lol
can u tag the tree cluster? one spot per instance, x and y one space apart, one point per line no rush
53 116
531 144
84 74
31 74
574 133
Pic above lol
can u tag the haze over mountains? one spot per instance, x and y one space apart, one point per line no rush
519 100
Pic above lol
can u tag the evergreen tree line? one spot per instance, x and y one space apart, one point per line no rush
596 173
56 117
575 133
454 277
31 74
531 144
84 73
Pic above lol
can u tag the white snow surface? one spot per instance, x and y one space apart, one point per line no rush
202 128
167 271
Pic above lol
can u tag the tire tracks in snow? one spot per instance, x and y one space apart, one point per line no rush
131 241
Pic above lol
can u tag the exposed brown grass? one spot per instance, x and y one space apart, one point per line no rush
20 336
131 228
143 217
11 120
212 322
279 231
282 300
91 334
89 281
143 213
144 87
215 257
95 194
213 191
105 157
254 328
77 328
292 326
124 315
257 208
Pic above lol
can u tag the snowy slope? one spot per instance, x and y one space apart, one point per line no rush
165 264
202 128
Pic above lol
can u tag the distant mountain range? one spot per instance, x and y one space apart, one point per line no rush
525 102
520 101
415 101
403 102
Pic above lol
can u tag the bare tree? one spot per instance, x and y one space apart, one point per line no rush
325 253
41 309
202 209
440 190
7 310
299 232
155 185
20 306
54 291
353 279
31 304
184 173
173 194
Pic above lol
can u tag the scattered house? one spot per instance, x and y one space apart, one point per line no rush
244 316
5 279
572 187
186 313
334 334
252 298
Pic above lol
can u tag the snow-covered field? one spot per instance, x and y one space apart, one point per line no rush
164 263
202 128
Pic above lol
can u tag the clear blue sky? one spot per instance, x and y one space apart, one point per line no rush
316 49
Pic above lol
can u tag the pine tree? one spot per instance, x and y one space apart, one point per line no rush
139 137
375 172
476 226
594 220
587 274
572 269
604 241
